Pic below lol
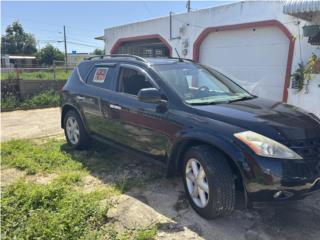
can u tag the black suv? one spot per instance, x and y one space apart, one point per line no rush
199 124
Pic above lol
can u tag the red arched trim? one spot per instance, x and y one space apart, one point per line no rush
267 23
121 41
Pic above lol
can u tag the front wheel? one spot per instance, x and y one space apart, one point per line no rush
208 182
75 133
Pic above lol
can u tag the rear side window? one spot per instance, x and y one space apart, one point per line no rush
100 77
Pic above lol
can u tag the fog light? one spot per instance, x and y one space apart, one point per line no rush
282 195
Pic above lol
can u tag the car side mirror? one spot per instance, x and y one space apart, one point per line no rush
150 95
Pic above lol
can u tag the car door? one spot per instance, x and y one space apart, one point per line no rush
138 125
94 99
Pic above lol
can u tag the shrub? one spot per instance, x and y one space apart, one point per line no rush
9 102
46 98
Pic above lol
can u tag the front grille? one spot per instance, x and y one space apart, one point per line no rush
309 149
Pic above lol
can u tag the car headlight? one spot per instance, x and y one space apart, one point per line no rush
266 147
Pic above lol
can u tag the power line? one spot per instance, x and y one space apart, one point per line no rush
46 23
146 7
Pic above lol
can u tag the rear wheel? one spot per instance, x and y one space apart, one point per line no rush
208 182
74 131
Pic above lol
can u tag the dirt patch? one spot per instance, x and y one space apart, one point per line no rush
41 178
163 203
10 175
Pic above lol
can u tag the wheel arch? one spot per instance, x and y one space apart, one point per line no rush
67 107
231 152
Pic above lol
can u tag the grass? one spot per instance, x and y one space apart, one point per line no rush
48 98
32 158
137 234
36 75
52 211
63 208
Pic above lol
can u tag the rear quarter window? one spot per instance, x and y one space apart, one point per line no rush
100 74
101 77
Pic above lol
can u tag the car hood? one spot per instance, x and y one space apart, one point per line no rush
273 119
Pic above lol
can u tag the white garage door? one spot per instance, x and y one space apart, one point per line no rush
257 58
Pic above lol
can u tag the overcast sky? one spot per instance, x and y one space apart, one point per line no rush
85 20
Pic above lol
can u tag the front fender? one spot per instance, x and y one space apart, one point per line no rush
224 144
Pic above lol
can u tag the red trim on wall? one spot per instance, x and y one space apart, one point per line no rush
121 41
268 23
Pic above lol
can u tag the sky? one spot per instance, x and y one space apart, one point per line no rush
85 20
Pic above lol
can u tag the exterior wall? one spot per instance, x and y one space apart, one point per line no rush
195 22
23 89
189 26
310 100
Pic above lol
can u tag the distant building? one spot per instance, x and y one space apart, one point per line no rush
74 58
12 61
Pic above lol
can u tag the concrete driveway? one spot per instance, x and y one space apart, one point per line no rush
30 124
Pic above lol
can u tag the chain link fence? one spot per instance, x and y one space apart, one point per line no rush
37 72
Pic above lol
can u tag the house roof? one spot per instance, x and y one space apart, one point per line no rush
22 57
304 9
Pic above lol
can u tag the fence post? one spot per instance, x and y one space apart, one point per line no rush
54 69
17 73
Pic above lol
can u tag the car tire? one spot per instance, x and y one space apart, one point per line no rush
75 133
218 181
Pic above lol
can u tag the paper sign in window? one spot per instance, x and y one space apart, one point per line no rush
100 75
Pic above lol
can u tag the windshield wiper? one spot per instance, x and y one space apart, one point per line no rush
242 99
208 103
203 103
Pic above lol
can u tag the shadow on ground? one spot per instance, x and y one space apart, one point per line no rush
149 198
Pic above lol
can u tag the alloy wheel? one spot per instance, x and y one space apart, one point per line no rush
197 183
72 128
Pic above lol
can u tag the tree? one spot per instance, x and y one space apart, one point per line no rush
17 41
98 51
49 53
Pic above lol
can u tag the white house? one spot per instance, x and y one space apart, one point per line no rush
259 43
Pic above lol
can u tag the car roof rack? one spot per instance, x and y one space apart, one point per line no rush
183 59
118 55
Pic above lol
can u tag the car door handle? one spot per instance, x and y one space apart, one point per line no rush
80 98
115 107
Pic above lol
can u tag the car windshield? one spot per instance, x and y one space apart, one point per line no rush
198 85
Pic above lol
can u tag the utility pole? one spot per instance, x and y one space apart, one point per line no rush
188 5
65 48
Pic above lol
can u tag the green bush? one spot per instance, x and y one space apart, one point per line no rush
9 102
52 211
33 158
46 98
50 98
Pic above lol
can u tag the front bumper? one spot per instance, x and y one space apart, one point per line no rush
279 180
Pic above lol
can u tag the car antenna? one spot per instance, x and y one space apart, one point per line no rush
180 59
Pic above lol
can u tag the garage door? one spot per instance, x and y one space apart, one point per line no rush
256 57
